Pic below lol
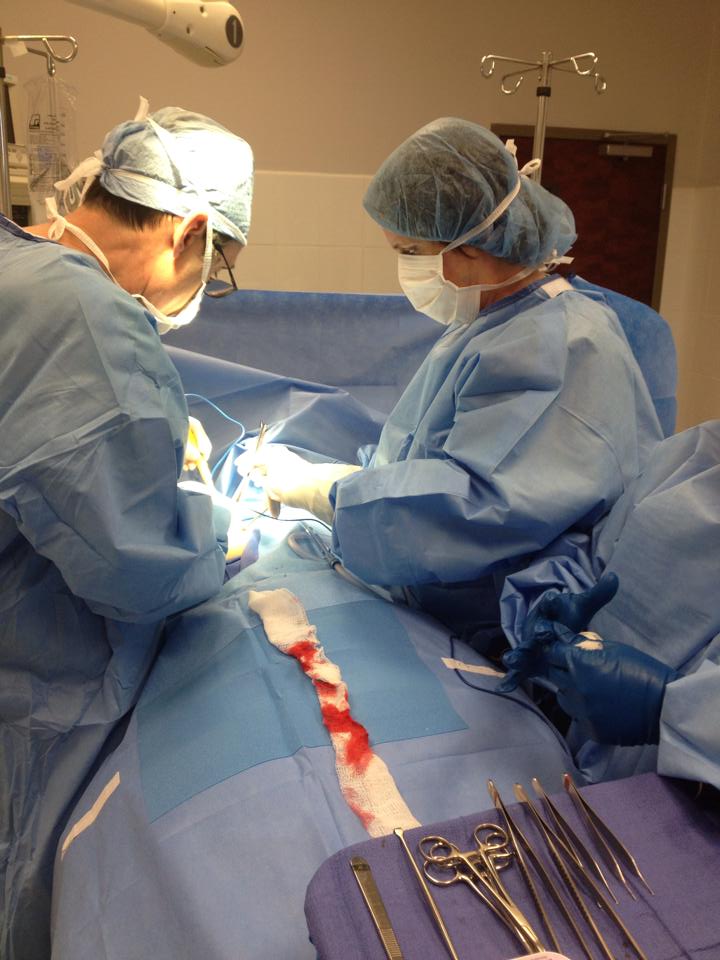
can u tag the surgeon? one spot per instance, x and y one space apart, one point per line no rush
98 544
528 417
624 625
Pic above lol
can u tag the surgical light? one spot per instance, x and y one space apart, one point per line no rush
210 33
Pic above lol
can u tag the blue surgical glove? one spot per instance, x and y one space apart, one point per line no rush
613 691
572 610
576 610
524 660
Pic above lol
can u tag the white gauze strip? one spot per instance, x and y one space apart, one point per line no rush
365 781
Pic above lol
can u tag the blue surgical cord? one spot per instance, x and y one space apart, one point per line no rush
223 457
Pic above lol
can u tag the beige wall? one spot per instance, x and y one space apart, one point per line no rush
689 297
326 88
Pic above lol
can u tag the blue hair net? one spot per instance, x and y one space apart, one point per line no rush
190 162
449 176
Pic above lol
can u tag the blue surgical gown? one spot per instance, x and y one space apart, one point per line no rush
97 544
525 423
662 539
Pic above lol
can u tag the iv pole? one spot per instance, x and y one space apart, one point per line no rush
51 57
583 65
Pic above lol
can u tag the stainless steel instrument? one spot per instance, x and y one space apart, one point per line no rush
371 895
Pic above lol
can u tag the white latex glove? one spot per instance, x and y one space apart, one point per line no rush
239 529
291 480
238 534
198 447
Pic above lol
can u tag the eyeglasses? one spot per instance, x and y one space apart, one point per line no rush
220 287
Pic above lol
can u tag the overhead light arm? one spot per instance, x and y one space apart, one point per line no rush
208 32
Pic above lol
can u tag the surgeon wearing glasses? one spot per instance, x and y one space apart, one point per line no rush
528 417
98 544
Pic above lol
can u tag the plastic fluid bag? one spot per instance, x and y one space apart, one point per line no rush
51 138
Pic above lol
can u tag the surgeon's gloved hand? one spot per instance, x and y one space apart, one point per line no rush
576 610
198 447
523 661
229 518
613 691
572 610
294 481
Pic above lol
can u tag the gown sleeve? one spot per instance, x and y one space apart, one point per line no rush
94 423
689 729
525 448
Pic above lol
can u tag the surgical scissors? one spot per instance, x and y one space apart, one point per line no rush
445 864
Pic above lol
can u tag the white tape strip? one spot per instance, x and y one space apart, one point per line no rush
471 667
91 816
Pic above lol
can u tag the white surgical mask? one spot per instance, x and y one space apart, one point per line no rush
165 322
424 284
91 168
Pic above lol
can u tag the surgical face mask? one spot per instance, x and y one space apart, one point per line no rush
424 284
164 321
167 322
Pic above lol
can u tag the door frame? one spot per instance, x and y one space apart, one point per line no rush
668 140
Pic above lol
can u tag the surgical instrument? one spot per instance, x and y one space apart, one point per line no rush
556 843
442 852
201 464
606 838
479 868
573 841
522 846
400 834
205 475
243 485
459 876
323 552
363 874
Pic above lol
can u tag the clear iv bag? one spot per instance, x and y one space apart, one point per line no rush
51 138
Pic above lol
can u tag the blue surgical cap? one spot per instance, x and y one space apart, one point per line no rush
449 176
190 163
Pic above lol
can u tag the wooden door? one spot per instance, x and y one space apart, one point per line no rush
618 186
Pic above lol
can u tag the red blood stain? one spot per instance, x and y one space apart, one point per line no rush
337 720
325 689
305 651
356 747
365 816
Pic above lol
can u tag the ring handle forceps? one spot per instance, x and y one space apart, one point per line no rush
557 847
479 869
443 853
437 916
